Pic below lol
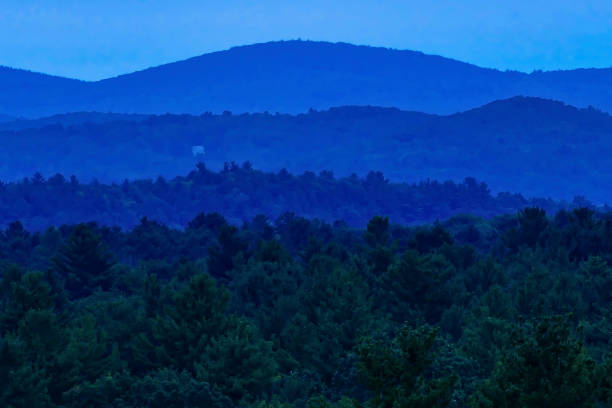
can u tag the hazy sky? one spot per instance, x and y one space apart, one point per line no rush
92 39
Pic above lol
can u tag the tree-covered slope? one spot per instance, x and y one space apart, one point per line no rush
66 119
537 147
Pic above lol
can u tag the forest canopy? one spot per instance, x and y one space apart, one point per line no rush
506 312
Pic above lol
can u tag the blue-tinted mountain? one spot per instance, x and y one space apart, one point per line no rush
31 94
294 76
540 148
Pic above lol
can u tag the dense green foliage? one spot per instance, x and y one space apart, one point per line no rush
537 147
512 311
240 193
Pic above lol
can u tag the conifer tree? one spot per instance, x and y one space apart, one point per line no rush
84 262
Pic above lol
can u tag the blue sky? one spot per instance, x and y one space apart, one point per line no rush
93 39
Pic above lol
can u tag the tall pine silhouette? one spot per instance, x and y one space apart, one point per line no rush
84 263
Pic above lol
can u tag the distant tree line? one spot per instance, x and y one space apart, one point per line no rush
240 193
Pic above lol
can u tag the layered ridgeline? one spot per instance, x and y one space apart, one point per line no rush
293 76
537 147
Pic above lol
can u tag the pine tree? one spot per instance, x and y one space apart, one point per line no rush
84 263
197 335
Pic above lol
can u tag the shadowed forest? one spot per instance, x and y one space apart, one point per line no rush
506 312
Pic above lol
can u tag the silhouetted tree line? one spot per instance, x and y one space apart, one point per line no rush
512 311
240 193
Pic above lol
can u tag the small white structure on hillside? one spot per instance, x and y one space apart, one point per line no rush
197 151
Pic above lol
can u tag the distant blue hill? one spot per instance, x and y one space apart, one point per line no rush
293 76
538 147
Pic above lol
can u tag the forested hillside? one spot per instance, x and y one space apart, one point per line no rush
537 147
240 193
66 119
508 312
293 76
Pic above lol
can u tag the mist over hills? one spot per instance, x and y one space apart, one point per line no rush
293 76
537 147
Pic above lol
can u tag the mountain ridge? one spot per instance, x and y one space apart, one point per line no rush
257 45
293 76
500 106
332 43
